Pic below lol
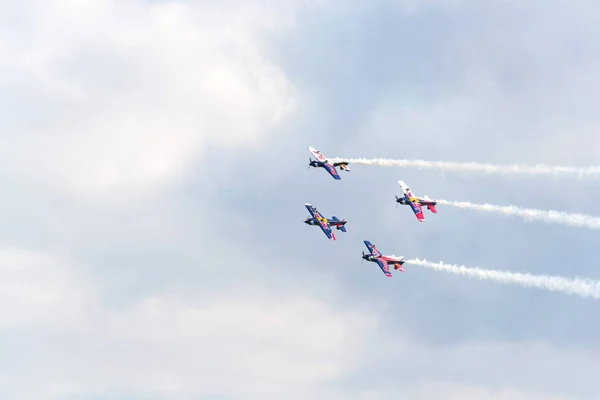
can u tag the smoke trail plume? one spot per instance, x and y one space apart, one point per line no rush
539 169
577 286
531 214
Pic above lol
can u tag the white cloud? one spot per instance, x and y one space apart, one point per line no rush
494 370
247 341
453 391
241 340
38 289
124 95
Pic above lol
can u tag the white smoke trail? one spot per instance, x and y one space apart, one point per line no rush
531 214
538 169
578 286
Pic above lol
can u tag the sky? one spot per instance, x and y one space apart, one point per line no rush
154 174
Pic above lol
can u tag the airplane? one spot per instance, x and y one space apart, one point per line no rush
415 202
324 223
383 261
321 161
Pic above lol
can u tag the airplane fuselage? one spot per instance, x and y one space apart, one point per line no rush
397 263
314 221
407 201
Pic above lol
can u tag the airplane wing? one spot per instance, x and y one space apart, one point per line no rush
384 267
327 230
414 202
405 188
418 210
372 248
317 154
332 171
312 210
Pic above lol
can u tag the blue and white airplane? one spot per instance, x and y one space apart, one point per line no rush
321 161
324 223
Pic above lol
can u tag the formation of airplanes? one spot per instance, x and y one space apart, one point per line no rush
408 198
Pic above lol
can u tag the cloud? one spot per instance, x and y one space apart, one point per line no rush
170 343
153 162
119 97
452 391
243 342
37 290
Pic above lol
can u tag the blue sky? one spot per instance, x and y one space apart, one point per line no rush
154 178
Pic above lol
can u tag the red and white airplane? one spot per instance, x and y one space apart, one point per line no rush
381 260
415 202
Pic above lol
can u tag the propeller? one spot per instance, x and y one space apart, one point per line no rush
309 165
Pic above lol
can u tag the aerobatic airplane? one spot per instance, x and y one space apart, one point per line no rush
324 223
322 162
383 261
415 202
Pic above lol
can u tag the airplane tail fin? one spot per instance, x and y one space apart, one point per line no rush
431 207
339 223
343 166
399 265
